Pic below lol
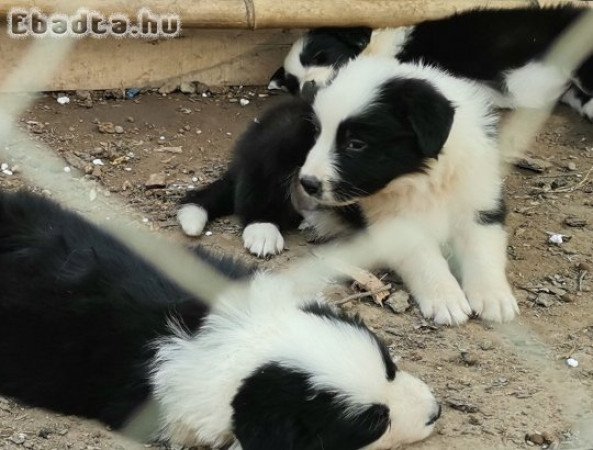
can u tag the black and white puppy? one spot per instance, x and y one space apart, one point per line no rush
501 49
413 144
88 328
258 184
415 147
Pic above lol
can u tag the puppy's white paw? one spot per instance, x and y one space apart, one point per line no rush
192 218
495 304
263 239
451 309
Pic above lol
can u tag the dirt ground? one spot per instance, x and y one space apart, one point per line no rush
497 383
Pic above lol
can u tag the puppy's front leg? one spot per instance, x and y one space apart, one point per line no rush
481 251
426 273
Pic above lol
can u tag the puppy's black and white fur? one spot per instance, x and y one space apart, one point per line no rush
411 144
500 49
88 328
414 148
259 183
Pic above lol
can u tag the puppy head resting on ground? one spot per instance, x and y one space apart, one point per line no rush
287 374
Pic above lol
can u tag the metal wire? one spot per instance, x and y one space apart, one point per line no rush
41 167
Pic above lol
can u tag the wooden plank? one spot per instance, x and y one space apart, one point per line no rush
251 14
213 57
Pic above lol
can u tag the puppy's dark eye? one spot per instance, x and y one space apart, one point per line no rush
319 59
356 145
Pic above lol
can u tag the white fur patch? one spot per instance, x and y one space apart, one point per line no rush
571 99
387 41
292 65
192 218
535 85
274 86
588 110
263 239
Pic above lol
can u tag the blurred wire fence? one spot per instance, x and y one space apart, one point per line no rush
41 167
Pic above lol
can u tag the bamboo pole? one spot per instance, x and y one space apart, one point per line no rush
253 14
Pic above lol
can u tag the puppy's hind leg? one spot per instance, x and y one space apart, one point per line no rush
199 206
480 248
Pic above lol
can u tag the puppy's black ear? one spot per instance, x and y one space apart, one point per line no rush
431 116
427 112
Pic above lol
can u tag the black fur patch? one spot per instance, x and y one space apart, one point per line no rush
326 311
406 124
334 46
277 408
79 312
482 44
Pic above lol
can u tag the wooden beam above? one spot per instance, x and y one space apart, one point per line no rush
256 14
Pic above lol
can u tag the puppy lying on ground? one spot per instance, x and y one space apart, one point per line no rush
500 49
391 141
88 328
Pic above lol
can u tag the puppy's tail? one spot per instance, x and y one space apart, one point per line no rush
200 205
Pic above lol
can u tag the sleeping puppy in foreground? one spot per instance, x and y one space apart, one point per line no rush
88 328
499 48
389 142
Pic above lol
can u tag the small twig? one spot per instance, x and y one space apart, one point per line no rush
578 185
362 295
580 280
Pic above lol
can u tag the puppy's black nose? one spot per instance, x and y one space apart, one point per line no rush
311 185
434 417
308 91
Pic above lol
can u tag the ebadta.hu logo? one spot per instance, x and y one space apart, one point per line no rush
86 23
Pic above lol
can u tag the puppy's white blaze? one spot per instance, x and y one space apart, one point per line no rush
320 161
263 239
196 379
193 219
535 85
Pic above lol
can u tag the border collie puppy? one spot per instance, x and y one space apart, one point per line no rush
88 328
258 184
414 147
500 49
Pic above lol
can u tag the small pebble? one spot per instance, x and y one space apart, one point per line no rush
3 166
571 362
156 180
486 344
145 220
244 102
571 166
194 179
98 162
556 239
208 233
119 129
7 172
63 99
535 438
67 169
